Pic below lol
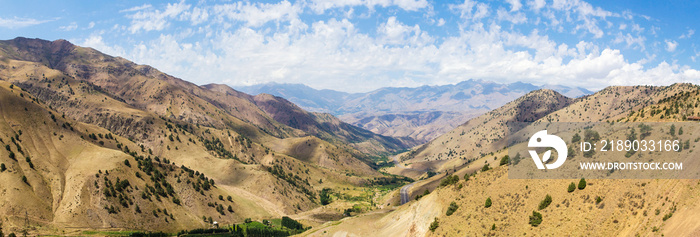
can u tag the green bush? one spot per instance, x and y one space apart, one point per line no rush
451 209
598 199
434 225
488 203
485 168
449 180
572 187
545 203
325 196
535 219
505 160
582 184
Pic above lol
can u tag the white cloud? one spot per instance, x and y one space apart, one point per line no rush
70 27
515 5
155 19
136 8
91 25
631 41
320 6
671 45
411 5
246 43
198 16
536 4
96 42
689 34
515 18
16 22
441 22
257 14
470 10
394 32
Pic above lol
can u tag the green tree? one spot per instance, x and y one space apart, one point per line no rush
485 168
291 223
572 187
2 169
582 184
325 196
535 219
488 202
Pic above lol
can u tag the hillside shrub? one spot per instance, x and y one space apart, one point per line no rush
451 209
572 187
535 219
505 160
582 184
488 202
545 203
434 225
449 180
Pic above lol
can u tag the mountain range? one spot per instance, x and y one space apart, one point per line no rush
98 142
92 144
469 190
421 113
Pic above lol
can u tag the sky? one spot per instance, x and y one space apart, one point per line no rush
362 45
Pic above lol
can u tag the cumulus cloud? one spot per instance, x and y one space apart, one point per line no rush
515 5
150 20
471 10
257 14
320 6
671 45
319 43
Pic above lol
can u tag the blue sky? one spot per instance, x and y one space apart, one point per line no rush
361 45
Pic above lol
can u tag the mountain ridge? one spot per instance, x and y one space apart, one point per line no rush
446 106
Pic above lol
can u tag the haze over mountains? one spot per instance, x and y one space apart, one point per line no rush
421 113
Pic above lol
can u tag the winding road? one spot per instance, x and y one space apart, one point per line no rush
404 192
405 196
